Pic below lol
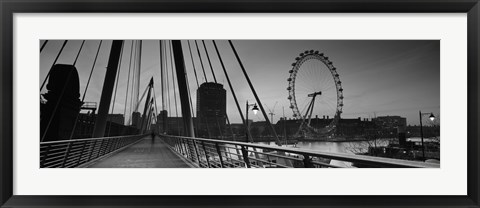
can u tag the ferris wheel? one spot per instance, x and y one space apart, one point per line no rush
314 88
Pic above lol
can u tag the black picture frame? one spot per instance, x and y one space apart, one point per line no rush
10 7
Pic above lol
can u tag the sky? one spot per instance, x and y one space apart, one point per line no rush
379 77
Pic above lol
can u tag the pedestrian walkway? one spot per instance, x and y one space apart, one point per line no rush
147 153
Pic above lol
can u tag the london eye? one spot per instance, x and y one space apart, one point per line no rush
314 88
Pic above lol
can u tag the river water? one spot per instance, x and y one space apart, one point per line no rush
350 147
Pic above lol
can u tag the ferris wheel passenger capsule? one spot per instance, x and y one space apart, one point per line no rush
316 52
291 106
306 52
298 58
289 79
311 51
321 54
289 88
294 64
341 89
301 54
290 97
290 71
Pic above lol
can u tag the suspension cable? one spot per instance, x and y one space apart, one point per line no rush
43 45
139 101
91 71
206 80
254 92
62 93
198 86
86 88
201 62
193 63
197 121
231 87
56 107
156 109
166 78
54 62
229 83
133 80
155 100
139 65
79 51
128 79
215 79
209 62
161 73
191 106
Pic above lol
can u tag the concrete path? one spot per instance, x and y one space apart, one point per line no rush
144 154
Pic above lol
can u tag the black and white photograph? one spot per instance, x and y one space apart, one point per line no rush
203 103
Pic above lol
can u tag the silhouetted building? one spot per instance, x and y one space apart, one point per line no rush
388 125
61 103
136 119
291 126
175 126
346 128
162 117
238 129
260 129
86 123
351 128
116 118
428 131
211 109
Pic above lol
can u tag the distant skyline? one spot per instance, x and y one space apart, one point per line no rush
379 77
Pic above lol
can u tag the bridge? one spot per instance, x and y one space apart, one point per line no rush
164 151
144 143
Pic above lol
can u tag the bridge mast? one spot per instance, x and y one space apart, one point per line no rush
107 90
183 88
146 109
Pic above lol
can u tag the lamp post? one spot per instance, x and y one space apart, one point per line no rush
432 117
255 110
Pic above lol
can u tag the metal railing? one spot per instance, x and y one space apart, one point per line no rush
228 154
72 153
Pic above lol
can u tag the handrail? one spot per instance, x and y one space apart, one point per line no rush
187 146
86 139
73 153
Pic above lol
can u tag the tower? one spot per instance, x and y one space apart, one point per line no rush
211 109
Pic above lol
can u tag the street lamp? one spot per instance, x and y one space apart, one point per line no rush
431 117
255 110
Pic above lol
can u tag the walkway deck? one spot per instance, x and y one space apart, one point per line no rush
144 154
